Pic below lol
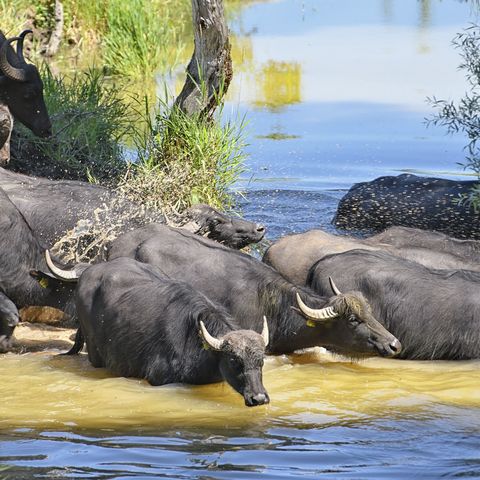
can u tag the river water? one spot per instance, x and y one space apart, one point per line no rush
334 91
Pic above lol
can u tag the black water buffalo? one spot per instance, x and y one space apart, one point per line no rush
293 255
20 254
21 88
409 201
74 210
250 290
137 322
434 313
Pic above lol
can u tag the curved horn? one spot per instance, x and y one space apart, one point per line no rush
265 335
20 45
66 275
12 72
212 342
334 288
326 313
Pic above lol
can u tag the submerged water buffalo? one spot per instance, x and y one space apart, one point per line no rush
137 322
21 90
434 313
249 290
78 215
409 201
21 253
293 255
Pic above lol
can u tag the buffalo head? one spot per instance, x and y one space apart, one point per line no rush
233 232
351 325
21 87
241 361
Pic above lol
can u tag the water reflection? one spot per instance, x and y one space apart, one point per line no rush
278 85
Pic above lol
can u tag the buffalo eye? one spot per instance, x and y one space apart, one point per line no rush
353 320
235 362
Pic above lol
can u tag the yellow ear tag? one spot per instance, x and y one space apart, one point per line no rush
43 282
205 346
310 323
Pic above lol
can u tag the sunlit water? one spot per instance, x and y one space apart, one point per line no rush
335 93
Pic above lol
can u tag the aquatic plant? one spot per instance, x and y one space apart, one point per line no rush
464 115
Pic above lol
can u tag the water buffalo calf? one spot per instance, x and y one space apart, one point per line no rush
139 323
409 201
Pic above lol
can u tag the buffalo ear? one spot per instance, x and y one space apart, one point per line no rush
43 278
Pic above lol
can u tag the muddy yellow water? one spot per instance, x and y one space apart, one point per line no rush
44 390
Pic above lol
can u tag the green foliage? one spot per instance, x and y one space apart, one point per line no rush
464 115
13 16
185 160
90 121
140 35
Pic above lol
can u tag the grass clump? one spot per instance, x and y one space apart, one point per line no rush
186 160
90 123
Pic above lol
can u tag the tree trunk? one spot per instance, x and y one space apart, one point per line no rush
56 36
6 127
210 69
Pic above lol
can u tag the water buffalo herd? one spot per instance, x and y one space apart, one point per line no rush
182 304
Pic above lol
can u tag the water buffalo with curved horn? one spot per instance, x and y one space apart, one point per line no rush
298 318
21 88
434 313
21 254
137 322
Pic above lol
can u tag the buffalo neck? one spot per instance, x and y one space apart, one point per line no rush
288 328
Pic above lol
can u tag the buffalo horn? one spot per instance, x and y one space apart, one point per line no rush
335 290
66 275
316 314
265 335
212 342
20 45
12 72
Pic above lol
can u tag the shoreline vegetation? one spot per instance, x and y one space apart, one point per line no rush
109 126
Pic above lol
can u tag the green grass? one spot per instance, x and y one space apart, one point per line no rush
185 160
13 16
90 123
144 36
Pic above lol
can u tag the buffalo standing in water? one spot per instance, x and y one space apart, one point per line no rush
434 313
250 290
293 255
55 207
137 322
